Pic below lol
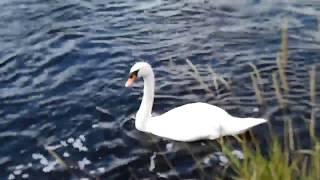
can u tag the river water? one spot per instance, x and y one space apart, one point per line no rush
63 65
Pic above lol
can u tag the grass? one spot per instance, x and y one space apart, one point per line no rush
197 76
256 80
284 159
279 164
313 100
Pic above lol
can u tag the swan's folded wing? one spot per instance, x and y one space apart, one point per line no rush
189 122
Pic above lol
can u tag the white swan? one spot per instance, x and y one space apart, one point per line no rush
189 122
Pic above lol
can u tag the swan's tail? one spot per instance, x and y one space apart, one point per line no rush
254 121
243 124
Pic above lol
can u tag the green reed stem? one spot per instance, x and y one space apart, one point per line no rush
216 77
257 72
283 76
277 89
312 75
57 157
66 166
256 89
284 43
290 134
197 76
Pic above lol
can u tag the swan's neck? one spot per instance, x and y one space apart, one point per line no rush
144 112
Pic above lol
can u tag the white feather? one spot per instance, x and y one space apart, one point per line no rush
189 122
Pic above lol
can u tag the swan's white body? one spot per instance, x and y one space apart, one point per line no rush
189 122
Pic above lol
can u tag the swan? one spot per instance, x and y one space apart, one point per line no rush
189 122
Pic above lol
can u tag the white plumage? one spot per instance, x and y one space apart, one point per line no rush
189 122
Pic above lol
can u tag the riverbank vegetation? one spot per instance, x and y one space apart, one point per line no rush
284 158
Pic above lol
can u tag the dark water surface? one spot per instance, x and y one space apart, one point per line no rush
63 65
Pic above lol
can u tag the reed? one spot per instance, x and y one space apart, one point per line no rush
284 43
256 89
279 163
257 73
57 157
282 74
216 78
277 90
316 161
197 76
69 167
290 133
284 159
282 58
312 75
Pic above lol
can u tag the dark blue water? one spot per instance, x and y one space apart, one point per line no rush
63 65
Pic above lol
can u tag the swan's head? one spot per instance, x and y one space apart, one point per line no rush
139 69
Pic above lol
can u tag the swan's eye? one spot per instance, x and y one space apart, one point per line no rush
134 74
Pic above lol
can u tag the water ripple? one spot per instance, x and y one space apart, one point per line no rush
63 66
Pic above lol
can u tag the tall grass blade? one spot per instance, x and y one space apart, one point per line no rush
256 89
216 77
312 75
283 76
284 43
197 76
277 89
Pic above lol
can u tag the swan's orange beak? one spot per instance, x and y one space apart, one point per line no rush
131 80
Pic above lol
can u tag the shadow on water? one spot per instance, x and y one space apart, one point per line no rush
63 66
